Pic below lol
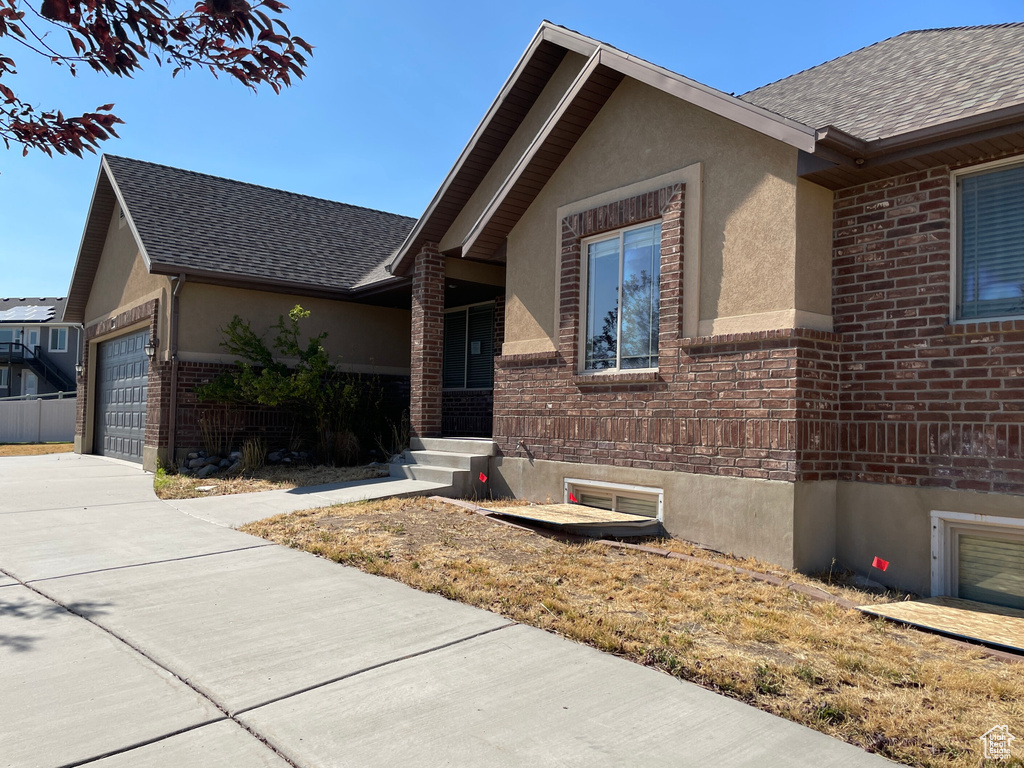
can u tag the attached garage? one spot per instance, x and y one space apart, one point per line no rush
122 386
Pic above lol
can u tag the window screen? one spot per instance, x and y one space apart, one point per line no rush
992 244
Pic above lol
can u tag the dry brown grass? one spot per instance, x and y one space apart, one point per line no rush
913 697
268 478
34 449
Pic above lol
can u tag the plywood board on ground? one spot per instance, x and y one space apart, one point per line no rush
989 624
590 521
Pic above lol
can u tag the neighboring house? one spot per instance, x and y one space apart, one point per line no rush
38 349
791 321
168 257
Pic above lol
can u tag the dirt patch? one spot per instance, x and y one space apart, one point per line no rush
913 697
267 479
34 449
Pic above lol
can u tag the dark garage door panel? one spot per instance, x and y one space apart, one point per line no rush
122 385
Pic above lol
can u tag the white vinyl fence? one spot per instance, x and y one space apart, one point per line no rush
38 420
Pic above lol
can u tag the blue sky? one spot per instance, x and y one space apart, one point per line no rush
392 94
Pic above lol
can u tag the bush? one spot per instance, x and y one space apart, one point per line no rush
340 413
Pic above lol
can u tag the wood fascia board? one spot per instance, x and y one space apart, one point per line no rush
524 162
128 217
417 230
76 273
253 282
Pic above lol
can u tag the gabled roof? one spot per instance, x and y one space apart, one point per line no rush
912 81
31 310
221 230
534 69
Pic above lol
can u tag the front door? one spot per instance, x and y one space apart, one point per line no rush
467 397
29 383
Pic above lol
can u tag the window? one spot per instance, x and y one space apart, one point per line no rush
469 348
621 282
991 242
58 339
5 381
628 499
978 557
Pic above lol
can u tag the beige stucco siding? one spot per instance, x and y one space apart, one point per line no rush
122 280
813 248
360 337
474 271
516 147
749 202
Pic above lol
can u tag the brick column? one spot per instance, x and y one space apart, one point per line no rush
427 342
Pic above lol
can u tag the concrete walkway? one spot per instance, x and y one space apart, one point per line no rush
134 635
238 509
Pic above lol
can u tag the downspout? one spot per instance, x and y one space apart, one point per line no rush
172 401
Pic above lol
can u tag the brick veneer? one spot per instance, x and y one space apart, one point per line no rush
427 325
923 402
760 405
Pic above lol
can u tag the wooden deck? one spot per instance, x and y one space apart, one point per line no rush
584 521
966 619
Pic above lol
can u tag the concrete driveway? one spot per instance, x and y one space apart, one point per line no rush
132 634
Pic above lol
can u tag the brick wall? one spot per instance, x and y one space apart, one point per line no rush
923 402
467 412
759 405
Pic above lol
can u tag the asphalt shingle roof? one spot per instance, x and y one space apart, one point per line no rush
192 221
907 82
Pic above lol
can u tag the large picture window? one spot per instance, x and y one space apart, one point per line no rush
621 299
469 348
991 243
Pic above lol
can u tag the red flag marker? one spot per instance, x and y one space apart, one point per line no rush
573 499
483 478
879 563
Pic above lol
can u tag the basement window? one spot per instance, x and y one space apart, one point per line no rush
617 497
978 557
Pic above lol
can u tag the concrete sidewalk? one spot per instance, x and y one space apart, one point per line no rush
238 509
134 635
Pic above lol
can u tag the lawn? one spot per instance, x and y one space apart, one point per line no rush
268 478
911 696
34 449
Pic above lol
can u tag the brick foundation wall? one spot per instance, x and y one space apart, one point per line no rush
275 425
923 402
467 412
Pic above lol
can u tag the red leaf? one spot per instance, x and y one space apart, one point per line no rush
57 10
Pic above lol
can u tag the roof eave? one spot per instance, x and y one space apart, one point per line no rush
546 32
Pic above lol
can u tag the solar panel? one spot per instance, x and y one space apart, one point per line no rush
37 314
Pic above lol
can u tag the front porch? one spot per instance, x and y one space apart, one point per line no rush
458 311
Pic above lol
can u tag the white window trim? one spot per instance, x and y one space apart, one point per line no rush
618 489
581 354
57 350
946 527
954 239
465 308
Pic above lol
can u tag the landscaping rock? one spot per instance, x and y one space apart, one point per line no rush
196 463
193 455
275 457
224 463
235 455
208 470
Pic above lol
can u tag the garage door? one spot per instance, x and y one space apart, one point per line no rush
122 375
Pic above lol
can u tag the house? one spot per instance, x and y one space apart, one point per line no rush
169 256
790 323
38 349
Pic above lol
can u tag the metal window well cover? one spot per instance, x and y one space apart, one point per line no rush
992 625
584 521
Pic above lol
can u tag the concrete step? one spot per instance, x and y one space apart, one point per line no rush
467 461
424 472
477 446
